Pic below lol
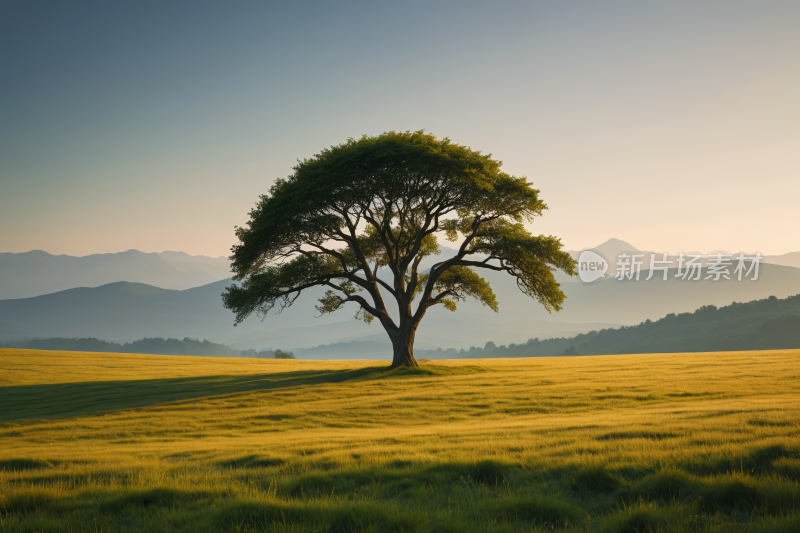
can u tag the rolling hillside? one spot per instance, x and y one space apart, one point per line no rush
767 324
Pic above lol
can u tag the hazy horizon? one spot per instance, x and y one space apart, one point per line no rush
443 245
155 126
119 252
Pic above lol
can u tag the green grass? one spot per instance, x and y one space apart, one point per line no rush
118 442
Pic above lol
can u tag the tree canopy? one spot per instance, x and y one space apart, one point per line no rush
376 205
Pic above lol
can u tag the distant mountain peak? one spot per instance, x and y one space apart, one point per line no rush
610 249
618 244
132 251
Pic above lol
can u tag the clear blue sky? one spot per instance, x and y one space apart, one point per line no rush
155 125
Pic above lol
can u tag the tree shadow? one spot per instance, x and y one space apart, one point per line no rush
25 402
60 400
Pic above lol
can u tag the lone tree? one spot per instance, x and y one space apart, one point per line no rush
376 204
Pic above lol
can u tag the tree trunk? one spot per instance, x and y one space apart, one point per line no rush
403 343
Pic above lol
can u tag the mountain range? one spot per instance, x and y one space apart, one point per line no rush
36 272
125 311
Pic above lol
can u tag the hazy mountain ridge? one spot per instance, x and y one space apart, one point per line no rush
126 311
791 259
172 257
123 312
36 273
770 323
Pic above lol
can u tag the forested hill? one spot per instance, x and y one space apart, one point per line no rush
161 346
767 324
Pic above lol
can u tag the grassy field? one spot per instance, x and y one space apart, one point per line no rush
680 442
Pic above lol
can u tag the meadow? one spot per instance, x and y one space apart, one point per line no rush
669 442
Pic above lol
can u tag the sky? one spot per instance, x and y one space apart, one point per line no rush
155 125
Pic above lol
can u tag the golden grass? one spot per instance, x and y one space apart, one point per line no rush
458 445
